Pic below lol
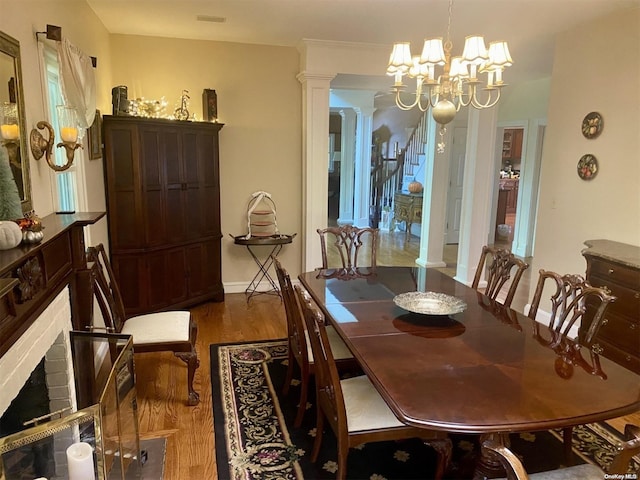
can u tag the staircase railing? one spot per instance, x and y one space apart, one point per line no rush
387 174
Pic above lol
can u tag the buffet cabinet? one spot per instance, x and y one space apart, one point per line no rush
163 208
407 207
616 266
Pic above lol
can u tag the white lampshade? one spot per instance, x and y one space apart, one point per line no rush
474 53
499 55
458 69
400 59
418 69
433 52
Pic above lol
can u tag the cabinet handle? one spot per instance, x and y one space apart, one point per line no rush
636 295
628 358
633 326
610 271
605 321
597 349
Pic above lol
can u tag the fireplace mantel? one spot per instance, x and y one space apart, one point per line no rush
32 275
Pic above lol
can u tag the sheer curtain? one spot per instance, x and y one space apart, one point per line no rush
78 81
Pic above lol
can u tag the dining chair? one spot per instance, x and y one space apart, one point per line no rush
571 294
300 352
352 407
587 471
499 264
173 331
569 299
355 247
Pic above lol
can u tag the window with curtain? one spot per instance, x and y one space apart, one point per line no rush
66 182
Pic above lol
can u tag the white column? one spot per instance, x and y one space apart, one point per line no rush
362 190
480 177
434 200
315 145
347 165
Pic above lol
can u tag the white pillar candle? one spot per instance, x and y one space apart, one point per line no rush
80 461
10 131
69 134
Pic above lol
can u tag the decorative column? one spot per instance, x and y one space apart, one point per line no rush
362 190
347 165
434 200
480 174
315 167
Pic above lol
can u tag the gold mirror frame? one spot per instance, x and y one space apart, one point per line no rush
10 47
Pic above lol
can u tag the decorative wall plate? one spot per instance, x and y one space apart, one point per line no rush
587 167
430 303
592 125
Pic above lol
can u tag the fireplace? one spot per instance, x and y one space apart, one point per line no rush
47 342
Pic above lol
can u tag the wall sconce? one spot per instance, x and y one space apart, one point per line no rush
10 131
40 146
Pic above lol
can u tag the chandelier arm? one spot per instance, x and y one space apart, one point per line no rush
475 102
403 106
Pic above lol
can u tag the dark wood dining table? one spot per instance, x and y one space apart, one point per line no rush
487 370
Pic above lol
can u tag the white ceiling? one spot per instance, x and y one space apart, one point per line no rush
529 26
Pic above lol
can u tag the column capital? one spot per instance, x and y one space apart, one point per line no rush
305 77
365 111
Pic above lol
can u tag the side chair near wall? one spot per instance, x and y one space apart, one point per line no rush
499 264
618 468
352 407
300 352
173 331
356 247
569 300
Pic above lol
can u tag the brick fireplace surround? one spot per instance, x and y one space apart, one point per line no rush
45 291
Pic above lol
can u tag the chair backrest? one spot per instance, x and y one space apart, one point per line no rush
295 323
499 262
618 469
569 304
106 289
348 241
328 390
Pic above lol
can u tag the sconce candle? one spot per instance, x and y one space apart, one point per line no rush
69 134
80 461
10 132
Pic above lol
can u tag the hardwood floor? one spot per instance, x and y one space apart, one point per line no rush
162 378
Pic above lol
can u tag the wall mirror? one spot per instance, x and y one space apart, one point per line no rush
12 105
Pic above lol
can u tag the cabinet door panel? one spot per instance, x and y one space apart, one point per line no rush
167 283
204 271
128 270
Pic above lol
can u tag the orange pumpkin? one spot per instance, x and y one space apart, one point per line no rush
415 187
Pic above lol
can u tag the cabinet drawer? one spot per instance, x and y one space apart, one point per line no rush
615 273
627 360
627 300
621 332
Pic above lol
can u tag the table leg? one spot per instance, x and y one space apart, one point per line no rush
263 273
489 465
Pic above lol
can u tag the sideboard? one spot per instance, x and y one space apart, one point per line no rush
407 207
616 266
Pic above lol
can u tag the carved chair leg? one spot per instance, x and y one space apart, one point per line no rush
567 438
192 361
443 448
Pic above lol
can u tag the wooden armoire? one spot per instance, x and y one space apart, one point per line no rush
162 181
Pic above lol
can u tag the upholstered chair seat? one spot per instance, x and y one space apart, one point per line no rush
161 327
366 410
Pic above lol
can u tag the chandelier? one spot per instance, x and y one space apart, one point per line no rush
458 85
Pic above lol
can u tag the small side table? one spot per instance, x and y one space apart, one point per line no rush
276 242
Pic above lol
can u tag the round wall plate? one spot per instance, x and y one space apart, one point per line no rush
592 125
587 167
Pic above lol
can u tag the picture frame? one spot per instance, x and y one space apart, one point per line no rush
95 137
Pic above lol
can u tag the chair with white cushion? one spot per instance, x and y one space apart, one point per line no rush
173 331
352 407
300 352
587 471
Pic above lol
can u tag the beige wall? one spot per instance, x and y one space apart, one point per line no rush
260 145
597 68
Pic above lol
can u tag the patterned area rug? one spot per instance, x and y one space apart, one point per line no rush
255 438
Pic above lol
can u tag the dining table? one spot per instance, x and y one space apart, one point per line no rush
451 359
